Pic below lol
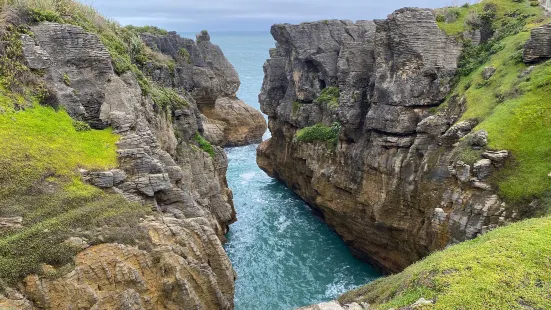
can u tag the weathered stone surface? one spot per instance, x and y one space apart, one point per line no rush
394 188
186 268
483 168
488 72
159 166
479 139
498 158
205 73
539 46
10 222
78 68
235 123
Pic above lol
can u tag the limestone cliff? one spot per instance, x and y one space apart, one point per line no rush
163 164
360 132
203 71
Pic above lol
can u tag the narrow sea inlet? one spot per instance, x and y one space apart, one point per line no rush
284 256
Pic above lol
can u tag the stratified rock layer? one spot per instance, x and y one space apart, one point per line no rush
394 187
204 72
539 46
185 265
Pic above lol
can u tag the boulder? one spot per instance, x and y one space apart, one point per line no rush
538 48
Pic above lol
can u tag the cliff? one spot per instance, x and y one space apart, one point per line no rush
202 70
412 133
110 196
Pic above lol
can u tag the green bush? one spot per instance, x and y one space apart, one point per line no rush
329 96
204 144
166 97
81 126
148 29
320 132
185 55
45 16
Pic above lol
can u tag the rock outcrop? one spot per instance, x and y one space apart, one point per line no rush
160 166
394 187
203 71
538 48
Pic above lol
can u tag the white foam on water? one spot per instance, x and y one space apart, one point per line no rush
282 224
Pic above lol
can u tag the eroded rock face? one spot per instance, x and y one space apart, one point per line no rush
186 269
538 48
394 187
203 71
160 166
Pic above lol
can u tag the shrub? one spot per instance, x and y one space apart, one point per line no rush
148 29
165 97
38 16
204 144
320 132
81 126
329 96
452 15
185 55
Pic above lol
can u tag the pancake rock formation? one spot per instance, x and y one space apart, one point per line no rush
349 108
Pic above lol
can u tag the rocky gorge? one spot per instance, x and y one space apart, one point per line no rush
422 132
392 187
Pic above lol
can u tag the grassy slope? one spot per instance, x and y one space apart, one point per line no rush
507 268
41 153
504 269
510 107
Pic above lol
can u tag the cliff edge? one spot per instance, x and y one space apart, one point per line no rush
111 197
405 133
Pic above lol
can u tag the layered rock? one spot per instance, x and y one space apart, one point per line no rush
160 166
538 48
203 71
394 188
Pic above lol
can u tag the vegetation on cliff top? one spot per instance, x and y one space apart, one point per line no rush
39 181
511 104
507 268
489 13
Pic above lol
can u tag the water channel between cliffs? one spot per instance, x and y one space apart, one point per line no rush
284 256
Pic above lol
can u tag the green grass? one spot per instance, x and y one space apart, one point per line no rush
504 7
320 132
204 144
515 114
42 151
148 29
503 269
168 98
296 108
329 96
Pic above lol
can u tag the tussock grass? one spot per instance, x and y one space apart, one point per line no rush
41 152
507 268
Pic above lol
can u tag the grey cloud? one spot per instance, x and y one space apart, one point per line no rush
253 15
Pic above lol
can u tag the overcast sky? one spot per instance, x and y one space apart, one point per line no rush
246 15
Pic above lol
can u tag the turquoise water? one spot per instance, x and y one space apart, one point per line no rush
284 256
